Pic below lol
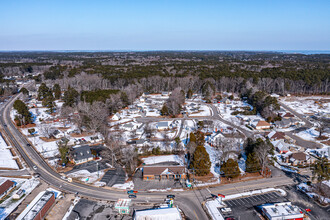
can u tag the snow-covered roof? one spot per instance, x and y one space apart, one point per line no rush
282 210
36 205
158 214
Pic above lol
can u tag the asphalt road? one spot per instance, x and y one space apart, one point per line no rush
188 201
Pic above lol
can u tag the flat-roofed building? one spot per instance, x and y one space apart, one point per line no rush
39 206
282 211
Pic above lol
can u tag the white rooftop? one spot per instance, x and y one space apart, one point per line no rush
158 214
284 210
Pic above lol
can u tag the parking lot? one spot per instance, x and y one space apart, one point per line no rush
244 208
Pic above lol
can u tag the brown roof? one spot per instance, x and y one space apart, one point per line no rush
5 186
299 156
278 135
262 123
160 170
288 115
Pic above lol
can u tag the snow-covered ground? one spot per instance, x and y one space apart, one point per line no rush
309 134
6 158
127 185
309 191
309 104
9 204
162 159
86 176
215 170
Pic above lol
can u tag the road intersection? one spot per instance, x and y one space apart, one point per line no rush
189 201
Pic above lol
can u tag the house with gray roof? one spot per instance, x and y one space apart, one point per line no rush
162 125
82 154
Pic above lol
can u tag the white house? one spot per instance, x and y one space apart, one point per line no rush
259 124
162 125
116 117
129 126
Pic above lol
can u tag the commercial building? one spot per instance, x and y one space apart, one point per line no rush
157 214
282 211
164 172
39 206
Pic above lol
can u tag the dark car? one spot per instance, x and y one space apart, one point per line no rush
29 145
132 196
170 196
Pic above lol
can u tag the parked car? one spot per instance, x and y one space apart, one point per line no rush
170 196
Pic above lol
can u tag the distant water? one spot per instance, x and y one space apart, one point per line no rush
306 52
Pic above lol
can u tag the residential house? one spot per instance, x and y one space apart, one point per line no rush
275 135
281 146
82 154
162 125
301 159
286 122
260 125
116 117
6 187
225 101
129 126
288 115
58 134
164 172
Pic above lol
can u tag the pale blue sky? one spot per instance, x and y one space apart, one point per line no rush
165 25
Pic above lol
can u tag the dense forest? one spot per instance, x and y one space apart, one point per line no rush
166 70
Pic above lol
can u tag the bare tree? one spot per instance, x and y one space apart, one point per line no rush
262 151
65 113
324 123
175 101
94 115
45 130
129 159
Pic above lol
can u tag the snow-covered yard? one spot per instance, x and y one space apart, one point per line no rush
6 158
86 176
308 105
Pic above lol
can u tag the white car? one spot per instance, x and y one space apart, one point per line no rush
35 167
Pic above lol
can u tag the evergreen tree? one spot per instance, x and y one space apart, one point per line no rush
70 97
49 103
43 91
189 94
192 138
252 163
321 170
164 110
23 111
201 163
230 168
24 91
57 91
124 98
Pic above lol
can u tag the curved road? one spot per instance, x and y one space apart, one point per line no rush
189 201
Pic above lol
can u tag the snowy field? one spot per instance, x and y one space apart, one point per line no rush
10 204
6 158
308 105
